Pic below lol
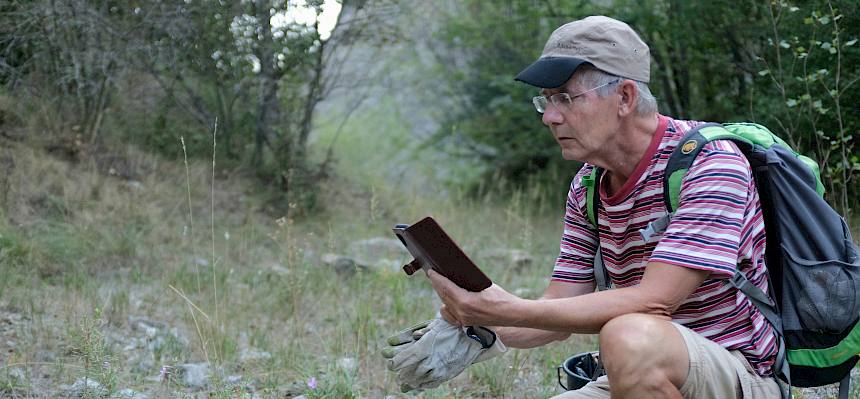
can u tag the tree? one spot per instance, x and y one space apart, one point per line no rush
65 53
790 67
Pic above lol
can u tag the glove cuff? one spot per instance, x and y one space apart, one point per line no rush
483 335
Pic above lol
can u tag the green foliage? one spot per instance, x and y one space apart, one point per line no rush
13 249
90 346
490 117
807 69
152 72
788 66
338 385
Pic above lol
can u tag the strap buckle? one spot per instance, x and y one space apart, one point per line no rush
655 228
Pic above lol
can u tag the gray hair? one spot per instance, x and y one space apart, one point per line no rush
589 76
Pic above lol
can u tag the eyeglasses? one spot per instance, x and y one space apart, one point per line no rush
562 100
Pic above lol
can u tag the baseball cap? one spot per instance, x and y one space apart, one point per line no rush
607 44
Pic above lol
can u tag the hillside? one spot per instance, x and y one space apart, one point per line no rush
109 276
116 283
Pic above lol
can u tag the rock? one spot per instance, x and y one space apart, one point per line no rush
370 250
17 375
291 390
154 379
201 262
347 364
156 337
142 324
391 264
45 356
144 364
133 344
279 269
252 354
194 375
128 394
86 388
134 184
171 342
308 255
515 258
829 391
342 264
9 321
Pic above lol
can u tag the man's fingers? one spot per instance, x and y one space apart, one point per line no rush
446 314
453 297
440 284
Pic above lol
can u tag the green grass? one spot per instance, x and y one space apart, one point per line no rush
99 246
96 244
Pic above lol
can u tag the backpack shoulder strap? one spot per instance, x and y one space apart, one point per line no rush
679 162
592 202
684 155
592 195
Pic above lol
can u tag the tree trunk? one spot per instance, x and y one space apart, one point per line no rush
314 97
266 105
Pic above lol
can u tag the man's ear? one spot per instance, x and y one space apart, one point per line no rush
629 97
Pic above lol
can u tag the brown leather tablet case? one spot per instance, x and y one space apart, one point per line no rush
432 247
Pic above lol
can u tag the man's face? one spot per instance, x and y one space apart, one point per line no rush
582 126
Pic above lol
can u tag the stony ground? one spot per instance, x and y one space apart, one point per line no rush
143 343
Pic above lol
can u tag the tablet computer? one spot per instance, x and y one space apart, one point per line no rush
433 248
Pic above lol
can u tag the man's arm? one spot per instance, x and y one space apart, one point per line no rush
523 338
662 290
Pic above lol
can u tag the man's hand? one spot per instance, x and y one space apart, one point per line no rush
491 307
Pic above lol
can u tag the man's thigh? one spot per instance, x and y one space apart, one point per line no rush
593 390
714 373
718 373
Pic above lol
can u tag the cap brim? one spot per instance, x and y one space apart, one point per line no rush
550 72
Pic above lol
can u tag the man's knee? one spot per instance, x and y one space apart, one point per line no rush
643 349
631 333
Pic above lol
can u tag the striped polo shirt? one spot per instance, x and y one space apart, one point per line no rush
718 227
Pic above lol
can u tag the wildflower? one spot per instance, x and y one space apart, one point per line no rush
281 221
164 374
312 383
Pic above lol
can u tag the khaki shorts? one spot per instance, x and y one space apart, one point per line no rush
714 373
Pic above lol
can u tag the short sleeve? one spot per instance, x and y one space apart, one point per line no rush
705 231
579 239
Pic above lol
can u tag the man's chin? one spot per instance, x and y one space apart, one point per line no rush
568 156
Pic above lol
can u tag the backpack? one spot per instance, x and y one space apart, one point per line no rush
812 261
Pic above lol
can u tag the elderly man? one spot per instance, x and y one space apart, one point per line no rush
672 327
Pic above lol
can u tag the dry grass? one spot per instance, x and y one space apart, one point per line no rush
83 251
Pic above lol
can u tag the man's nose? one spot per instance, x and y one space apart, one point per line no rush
552 116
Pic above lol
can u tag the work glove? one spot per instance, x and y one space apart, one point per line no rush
401 340
438 352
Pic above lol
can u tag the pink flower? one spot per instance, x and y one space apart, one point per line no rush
164 374
312 383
